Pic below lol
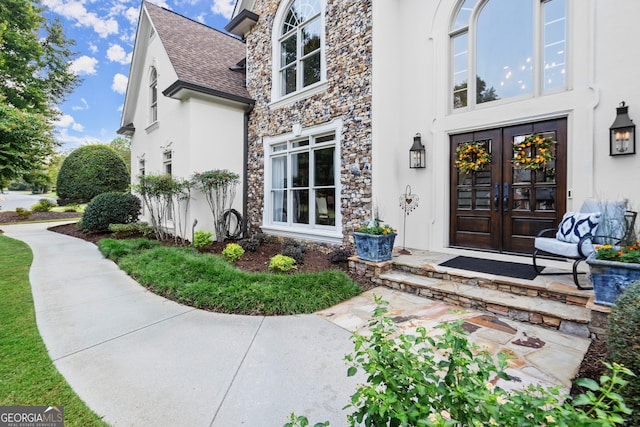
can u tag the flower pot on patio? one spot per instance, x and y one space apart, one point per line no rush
611 278
374 247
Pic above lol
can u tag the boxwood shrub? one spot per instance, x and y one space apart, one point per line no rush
89 171
110 208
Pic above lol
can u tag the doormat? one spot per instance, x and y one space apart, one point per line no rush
498 268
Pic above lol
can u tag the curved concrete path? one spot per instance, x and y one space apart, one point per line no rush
138 359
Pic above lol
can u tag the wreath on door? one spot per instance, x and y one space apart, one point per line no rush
541 146
472 157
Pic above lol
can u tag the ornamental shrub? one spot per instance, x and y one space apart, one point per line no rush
110 208
89 171
623 343
232 252
282 263
202 239
23 213
43 205
293 249
121 231
251 244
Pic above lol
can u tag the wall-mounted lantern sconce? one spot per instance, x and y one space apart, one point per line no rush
622 136
417 153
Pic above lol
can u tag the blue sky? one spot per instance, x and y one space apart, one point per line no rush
104 31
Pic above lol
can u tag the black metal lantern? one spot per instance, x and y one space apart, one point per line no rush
622 134
417 153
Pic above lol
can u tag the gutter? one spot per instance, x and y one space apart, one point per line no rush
245 172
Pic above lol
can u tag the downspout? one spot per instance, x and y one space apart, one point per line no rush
245 172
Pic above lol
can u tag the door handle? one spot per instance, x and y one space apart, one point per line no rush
505 197
496 197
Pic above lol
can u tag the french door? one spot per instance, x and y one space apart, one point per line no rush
502 206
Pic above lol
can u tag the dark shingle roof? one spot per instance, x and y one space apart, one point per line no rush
200 55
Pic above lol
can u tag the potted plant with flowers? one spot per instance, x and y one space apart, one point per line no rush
374 241
613 269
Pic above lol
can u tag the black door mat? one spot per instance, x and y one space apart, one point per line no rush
498 268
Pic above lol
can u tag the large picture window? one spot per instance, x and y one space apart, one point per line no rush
507 48
302 184
300 46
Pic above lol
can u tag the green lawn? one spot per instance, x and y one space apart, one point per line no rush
206 281
27 375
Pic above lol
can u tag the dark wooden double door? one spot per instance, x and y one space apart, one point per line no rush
502 207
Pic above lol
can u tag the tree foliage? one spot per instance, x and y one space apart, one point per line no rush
122 146
89 171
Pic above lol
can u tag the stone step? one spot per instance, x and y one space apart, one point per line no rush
568 318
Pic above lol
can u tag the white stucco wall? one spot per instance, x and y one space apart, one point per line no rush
202 134
411 94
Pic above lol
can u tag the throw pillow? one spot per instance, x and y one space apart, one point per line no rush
574 226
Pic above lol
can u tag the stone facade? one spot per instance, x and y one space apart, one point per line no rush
348 50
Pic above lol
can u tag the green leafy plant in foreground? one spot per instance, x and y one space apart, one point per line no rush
446 381
282 263
202 239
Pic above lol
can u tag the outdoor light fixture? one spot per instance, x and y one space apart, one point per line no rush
622 137
417 153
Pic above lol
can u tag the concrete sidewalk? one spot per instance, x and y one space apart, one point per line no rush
138 359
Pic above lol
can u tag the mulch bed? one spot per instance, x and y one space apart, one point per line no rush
315 260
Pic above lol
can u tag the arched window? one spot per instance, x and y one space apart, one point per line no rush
300 46
507 48
153 95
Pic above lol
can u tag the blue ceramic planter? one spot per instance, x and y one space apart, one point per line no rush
611 278
373 247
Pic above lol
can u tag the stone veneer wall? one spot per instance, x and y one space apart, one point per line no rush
348 46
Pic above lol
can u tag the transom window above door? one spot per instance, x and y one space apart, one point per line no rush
299 42
507 48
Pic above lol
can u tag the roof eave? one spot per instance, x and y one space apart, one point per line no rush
242 23
127 130
181 90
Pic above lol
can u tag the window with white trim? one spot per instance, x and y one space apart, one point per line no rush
167 159
507 48
153 95
302 189
298 38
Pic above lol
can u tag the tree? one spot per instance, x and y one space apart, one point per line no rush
34 59
122 146
34 71
89 171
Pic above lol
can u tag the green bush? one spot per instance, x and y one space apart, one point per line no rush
282 263
89 171
232 252
43 205
110 208
623 343
293 249
23 213
251 244
72 208
202 239
121 231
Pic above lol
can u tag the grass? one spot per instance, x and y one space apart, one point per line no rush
208 282
27 374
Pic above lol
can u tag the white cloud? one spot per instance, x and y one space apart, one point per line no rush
131 14
76 141
83 65
67 121
161 3
223 7
93 48
116 53
84 106
75 10
120 108
120 83
200 18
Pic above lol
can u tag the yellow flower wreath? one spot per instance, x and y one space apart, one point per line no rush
472 157
541 146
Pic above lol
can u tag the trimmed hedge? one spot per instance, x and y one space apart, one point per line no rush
110 208
89 171
623 344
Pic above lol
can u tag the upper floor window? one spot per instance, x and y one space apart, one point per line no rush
300 46
167 161
507 48
153 95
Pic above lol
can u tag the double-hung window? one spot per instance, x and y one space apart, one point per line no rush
300 47
302 184
507 48
153 95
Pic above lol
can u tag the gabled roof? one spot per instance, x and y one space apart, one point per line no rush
201 56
